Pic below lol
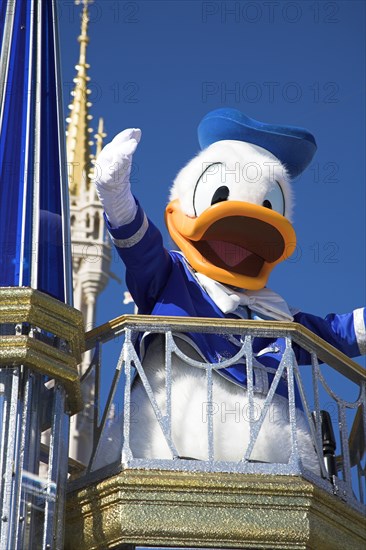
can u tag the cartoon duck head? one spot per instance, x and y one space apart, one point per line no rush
230 207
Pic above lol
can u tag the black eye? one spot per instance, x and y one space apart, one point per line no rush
267 204
221 194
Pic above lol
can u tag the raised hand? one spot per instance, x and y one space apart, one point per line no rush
112 177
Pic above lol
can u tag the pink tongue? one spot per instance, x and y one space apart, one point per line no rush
229 253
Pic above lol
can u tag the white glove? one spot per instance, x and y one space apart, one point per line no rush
112 177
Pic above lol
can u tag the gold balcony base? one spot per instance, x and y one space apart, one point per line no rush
218 510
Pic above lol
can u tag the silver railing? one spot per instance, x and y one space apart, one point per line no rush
33 483
332 383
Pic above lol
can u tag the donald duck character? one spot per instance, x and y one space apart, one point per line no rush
230 214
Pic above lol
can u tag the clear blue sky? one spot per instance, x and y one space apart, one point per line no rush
162 65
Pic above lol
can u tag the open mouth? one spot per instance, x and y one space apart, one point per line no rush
244 244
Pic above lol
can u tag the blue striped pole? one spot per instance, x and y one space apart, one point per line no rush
35 245
35 252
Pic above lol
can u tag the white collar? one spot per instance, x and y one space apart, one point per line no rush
228 299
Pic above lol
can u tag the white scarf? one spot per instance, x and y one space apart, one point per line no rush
264 301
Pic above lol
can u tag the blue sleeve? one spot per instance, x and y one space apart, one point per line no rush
345 332
148 263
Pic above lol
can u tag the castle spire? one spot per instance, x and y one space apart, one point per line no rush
78 142
99 136
88 234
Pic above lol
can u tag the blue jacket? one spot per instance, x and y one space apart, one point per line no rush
162 283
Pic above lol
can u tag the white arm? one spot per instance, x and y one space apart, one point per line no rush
112 177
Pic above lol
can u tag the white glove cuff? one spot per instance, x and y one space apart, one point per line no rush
120 206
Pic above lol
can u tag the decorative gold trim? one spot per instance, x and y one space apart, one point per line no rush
26 305
300 334
209 509
38 356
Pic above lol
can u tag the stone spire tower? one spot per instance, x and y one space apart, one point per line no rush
91 251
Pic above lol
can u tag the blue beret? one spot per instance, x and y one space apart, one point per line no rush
293 146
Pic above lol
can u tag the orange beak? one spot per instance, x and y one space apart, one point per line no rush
233 242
